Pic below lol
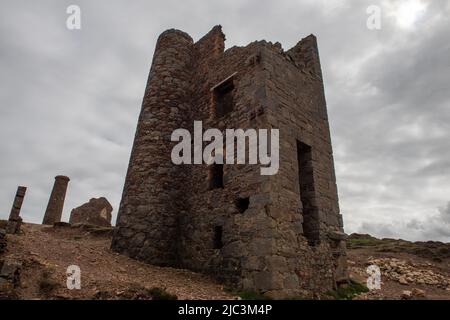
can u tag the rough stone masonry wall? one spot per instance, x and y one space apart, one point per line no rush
95 212
243 233
154 195
298 109
168 213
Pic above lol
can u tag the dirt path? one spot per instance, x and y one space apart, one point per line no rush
45 249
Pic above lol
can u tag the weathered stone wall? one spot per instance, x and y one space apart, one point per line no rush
154 193
55 205
245 234
95 212
2 240
173 219
296 105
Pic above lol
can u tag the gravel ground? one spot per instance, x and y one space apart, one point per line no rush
47 251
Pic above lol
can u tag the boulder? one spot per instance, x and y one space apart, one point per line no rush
406 295
418 293
95 212
403 280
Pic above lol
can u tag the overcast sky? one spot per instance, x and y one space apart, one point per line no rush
69 100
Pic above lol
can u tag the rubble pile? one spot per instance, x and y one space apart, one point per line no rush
407 273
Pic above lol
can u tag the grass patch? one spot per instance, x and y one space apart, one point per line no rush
433 250
136 292
161 294
300 298
348 291
94 230
249 295
363 242
46 284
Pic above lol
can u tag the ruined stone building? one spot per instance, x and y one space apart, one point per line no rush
282 234
96 212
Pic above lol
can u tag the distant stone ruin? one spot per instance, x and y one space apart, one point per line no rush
15 221
95 212
280 235
56 202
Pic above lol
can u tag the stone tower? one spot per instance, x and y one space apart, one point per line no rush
56 202
280 235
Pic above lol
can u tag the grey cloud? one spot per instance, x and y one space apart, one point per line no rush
69 101
414 224
435 225
444 215
384 229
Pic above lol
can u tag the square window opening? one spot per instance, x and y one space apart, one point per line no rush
242 204
223 98
218 231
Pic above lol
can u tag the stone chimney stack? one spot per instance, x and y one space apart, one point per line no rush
56 202
15 220
17 205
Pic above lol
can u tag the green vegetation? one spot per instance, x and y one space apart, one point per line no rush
94 230
248 295
46 284
348 291
363 241
161 294
300 298
135 291
434 250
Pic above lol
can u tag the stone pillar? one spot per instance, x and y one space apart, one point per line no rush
15 220
56 202
17 205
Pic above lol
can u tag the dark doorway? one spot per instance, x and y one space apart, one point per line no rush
307 193
216 176
218 237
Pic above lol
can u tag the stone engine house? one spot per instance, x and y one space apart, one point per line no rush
281 235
